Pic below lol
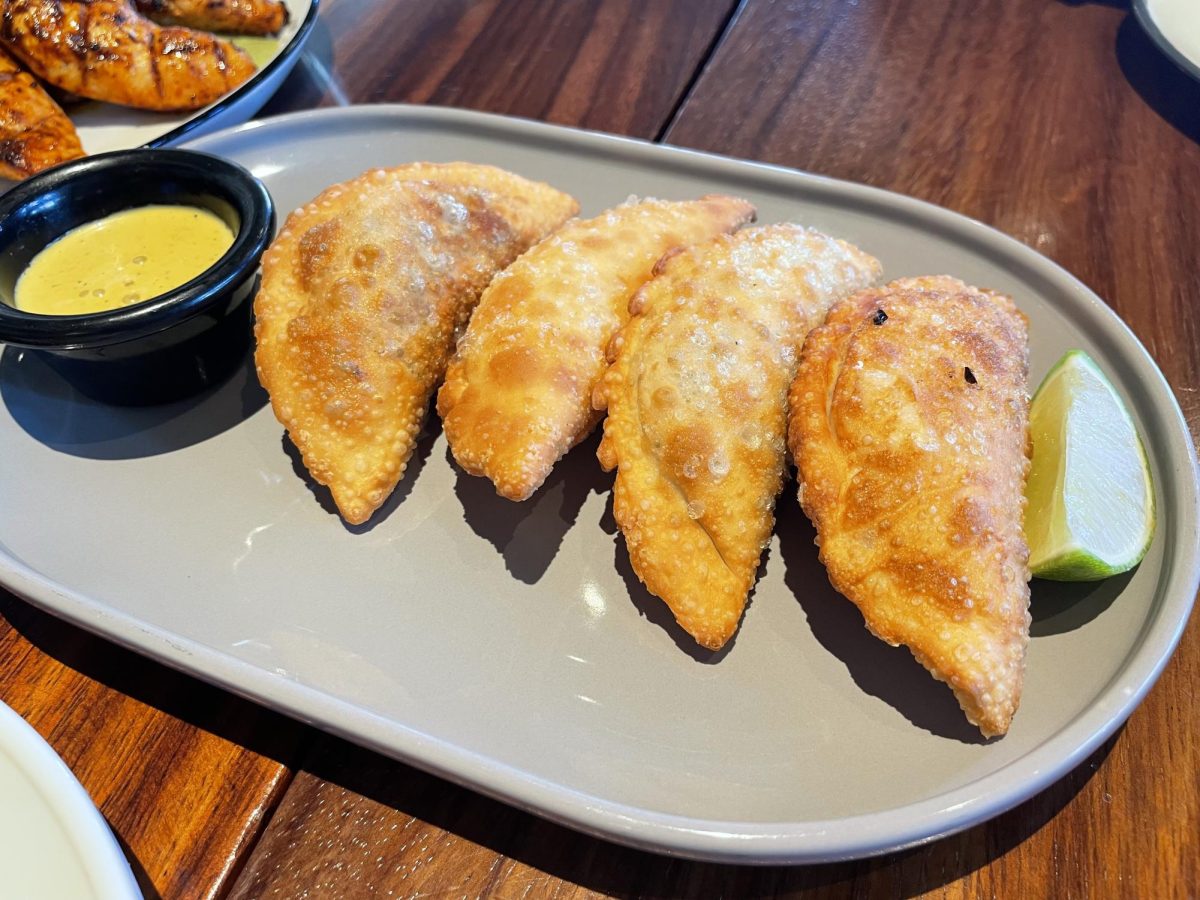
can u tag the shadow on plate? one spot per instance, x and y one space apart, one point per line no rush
1058 606
425 441
653 609
357 782
52 412
529 533
889 673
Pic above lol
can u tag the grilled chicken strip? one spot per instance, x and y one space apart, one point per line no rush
35 133
105 50
232 16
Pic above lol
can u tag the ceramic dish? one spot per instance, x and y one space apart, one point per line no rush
53 841
508 646
1175 26
174 344
104 126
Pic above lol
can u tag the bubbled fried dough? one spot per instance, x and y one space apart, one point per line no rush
518 392
697 410
363 293
909 423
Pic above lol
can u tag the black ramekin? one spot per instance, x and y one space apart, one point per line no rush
163 348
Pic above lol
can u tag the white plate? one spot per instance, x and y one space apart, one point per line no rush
1175 26
508 646
103 126
53 841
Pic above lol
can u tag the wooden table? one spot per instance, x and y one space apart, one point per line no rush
1056 121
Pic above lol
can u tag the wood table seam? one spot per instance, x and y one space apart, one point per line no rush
727 26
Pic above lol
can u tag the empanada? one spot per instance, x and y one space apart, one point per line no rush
697 410
518 392
910 425
363 293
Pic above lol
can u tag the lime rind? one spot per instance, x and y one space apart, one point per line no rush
1091 511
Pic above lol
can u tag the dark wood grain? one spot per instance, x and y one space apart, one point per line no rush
184 773
1061 124
354 824
187 774
611 65
1058 123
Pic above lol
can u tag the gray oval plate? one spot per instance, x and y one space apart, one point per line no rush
508 646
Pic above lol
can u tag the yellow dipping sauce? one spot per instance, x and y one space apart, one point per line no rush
260 49
122 259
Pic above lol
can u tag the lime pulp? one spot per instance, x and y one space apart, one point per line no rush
1091 498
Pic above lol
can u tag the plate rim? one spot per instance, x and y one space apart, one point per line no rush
282 58
807 841
87 831
1145 18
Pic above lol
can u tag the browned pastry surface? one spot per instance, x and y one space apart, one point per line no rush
363 294
697 410
518 393
910 424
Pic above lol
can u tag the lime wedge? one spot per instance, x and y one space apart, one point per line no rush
1091 500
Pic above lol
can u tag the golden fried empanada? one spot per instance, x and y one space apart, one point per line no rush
363 293
910 425
697 410
518 392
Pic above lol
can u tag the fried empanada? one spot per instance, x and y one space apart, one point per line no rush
910 425
697 410
363 293
518 392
